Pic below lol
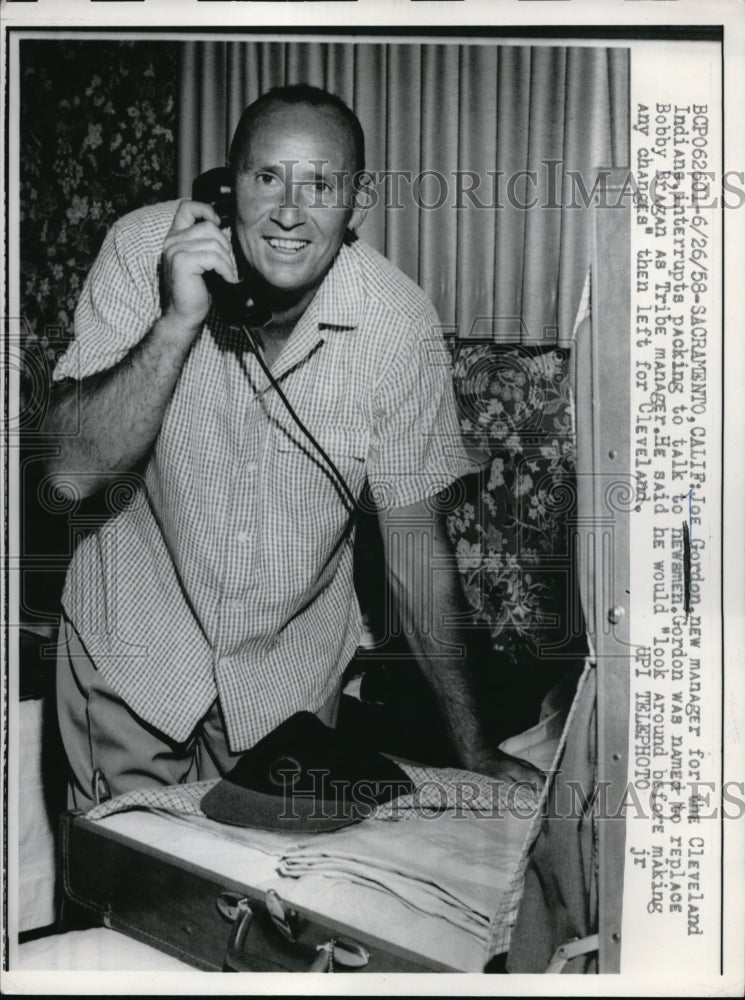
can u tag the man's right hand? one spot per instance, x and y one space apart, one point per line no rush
194 245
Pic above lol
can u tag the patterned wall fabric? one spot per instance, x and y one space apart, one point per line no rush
511 527
97 139
97 123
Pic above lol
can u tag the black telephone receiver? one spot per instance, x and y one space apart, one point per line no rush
216 188
234 302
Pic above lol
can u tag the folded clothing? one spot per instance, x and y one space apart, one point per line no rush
452 865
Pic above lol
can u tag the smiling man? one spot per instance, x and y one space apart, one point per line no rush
218 598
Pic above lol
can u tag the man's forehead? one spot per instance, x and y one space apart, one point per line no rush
304 132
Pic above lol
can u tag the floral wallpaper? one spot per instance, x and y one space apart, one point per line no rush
96 141
511 523
97 122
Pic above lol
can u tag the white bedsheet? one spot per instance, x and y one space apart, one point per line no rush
96 950
35 834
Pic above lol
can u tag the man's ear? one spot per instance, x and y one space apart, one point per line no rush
358 216
362 199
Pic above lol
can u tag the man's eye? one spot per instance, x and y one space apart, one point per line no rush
265 180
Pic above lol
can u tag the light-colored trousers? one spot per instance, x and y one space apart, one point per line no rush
104 739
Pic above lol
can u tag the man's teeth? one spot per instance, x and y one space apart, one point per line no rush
287 244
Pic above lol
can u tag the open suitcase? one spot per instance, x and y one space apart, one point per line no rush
208 919
431 882
219 898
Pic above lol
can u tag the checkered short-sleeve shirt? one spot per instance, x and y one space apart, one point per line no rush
226 567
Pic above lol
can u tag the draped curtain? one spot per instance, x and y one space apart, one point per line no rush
502 126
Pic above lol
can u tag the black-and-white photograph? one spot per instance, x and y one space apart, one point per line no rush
329 417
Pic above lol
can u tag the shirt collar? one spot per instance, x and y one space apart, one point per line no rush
336 306
339 299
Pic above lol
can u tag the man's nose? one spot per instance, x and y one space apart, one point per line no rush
289 211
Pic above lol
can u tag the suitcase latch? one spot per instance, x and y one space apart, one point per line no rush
232 905
340 952
337 952
350 954
284 919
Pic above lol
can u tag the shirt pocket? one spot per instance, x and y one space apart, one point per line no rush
306 472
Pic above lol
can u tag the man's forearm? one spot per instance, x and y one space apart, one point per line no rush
107 422
443 657
426 587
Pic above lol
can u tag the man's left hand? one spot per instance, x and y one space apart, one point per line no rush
511 770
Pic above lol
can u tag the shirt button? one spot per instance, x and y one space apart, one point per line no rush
243 537
251 466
